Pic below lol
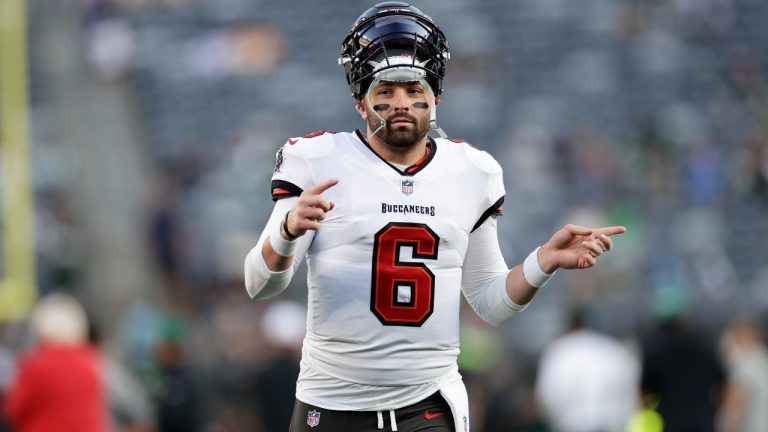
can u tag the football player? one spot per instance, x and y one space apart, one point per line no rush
394 226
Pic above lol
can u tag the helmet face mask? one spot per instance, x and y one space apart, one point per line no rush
394 35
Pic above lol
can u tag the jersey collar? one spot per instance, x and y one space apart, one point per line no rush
413 169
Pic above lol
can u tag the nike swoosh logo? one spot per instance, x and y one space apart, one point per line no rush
429 416
292 141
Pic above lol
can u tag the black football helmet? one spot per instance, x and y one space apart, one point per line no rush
393 35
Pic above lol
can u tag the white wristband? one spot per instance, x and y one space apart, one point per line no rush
532 271
280 245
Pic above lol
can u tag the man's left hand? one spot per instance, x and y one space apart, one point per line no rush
576 247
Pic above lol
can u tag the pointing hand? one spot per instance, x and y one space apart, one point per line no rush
310 209
576 247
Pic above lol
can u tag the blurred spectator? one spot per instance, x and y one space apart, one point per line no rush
284 326
587 381
7 370
682 375
242 51
166 238
480 365
60 382
110 48
513 407
62 244
704 177
154 350
756 167
129 405
177 398
746 398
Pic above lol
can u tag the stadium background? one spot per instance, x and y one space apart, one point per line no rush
154 123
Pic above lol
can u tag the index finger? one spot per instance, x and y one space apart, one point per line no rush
576 230
322 187
613 230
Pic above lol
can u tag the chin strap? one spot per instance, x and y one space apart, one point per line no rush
433 112
382 122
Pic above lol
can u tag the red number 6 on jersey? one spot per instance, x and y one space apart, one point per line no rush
403 293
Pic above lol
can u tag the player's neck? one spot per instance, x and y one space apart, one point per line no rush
398 155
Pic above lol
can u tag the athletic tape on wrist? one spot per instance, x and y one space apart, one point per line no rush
279 244
532 270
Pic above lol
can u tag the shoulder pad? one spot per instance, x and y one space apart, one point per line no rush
481 159
313 145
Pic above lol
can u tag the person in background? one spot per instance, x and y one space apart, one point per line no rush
7 369
587 381
681 375
59 385
283 325
177 398
745 403
129 403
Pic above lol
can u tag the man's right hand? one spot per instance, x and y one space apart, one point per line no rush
309 210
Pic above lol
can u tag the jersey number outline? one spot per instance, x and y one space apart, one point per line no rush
389 273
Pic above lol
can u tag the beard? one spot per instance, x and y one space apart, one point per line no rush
400 135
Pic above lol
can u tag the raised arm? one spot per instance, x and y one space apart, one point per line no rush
572 247
496 293
270 265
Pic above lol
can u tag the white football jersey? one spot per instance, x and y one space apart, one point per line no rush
385 267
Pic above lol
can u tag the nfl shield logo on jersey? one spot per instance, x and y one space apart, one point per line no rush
407 187
313 418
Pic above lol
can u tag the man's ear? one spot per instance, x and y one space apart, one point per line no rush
437 102
360 107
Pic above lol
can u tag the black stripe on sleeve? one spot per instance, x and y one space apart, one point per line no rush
494 209
284 189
